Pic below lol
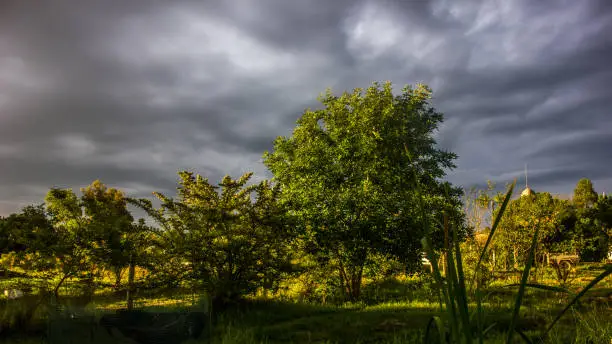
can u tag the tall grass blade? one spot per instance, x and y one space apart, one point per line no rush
494 228
521 291
597 279
436 322
544 287
523 336
479 316
433 258
489 328
461 292
445 289
451 285
445 297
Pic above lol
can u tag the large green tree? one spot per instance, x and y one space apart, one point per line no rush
348 176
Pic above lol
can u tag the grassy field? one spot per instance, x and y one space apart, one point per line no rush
395 310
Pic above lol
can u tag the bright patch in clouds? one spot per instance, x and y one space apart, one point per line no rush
374 30
192 36
505 35
74 147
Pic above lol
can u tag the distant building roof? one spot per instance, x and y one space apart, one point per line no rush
527 192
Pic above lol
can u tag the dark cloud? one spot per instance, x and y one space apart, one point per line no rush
132 91
574 146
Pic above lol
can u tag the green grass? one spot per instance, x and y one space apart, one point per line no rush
394 310
395 320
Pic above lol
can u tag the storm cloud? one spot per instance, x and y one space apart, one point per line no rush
130 92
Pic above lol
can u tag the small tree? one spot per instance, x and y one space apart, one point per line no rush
85 235
584 194
111 226
226 243
29 230
592 233
72 253
24 234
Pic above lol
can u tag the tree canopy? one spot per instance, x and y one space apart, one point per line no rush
229 242
584 194
348 175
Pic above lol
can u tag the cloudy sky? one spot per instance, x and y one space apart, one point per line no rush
130 92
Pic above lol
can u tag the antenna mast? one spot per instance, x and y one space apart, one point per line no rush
526 183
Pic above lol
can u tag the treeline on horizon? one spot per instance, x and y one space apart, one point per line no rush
355 188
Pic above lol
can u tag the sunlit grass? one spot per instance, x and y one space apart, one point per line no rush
387 321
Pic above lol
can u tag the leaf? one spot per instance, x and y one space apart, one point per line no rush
521 291
435 322
544 287
596 280
523 336
461 290
489 328
493 229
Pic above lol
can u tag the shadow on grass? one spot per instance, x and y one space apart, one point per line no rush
279 322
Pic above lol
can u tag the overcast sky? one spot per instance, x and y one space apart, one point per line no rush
130 92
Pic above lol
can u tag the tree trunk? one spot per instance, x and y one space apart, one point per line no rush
130 296
351 276
57 287
356 284
344 281
118 272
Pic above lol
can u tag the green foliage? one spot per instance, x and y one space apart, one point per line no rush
592 232
584 194
520 220
348 182
457 323
224 241
111 226
582 226
29 230
73 237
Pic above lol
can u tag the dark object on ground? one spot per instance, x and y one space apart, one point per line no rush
155 328
566 261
